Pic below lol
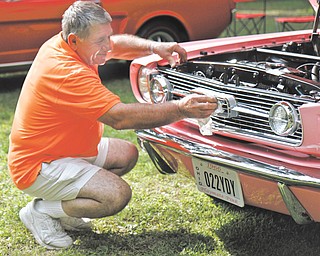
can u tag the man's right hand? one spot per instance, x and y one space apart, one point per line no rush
197 106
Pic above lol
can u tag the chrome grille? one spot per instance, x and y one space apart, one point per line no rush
243 124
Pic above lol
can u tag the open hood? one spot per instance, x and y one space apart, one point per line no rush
314 4
315 36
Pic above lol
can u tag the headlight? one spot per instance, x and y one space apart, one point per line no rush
143 82
283 119
153 87
160 89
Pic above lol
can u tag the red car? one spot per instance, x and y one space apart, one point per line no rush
26 24
262 145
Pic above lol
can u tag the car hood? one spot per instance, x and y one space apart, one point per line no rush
314 4
315 36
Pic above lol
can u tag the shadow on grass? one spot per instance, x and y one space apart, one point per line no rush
148 243
254 232
264 233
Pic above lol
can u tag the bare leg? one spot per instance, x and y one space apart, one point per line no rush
106 193
122 156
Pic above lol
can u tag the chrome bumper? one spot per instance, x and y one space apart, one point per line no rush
283 176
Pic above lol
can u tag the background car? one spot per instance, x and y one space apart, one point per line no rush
262 145
26 24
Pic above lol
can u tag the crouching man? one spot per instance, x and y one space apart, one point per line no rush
57 153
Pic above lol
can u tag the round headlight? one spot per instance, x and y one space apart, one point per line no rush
143 83
283 119
160 89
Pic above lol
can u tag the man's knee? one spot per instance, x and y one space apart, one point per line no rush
107 193
120 202
122 156
116 197
134 155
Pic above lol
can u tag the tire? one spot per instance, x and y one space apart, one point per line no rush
163 31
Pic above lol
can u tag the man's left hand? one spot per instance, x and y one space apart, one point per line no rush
166 50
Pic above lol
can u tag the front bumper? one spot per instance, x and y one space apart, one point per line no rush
285 179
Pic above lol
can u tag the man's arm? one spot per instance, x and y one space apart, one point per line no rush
143 116
129 47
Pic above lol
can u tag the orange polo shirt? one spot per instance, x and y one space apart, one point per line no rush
56 115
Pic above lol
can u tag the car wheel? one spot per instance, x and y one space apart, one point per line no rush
163 31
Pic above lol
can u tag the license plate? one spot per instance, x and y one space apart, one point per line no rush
218 181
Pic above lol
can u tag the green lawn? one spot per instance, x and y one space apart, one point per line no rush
166 216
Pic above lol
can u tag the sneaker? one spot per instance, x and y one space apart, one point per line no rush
75 224
46 230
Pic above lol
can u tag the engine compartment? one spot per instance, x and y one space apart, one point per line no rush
292 68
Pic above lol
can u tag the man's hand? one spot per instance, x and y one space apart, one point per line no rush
197 106
165 51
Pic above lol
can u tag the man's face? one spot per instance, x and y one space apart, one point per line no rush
93 49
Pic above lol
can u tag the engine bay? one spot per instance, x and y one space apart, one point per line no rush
292 68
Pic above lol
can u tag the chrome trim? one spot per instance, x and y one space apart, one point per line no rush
249 116
159 85
295 208
160 163
241 164
251 111
229 106
293 121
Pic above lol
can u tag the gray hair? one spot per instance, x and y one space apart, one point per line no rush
82 15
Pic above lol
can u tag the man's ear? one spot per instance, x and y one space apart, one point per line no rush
72 41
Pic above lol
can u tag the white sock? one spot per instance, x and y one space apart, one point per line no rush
52 208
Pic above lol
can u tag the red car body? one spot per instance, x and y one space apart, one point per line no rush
26 24
262 146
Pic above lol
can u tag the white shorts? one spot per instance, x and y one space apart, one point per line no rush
62 179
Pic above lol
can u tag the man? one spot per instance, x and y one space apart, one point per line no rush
57 153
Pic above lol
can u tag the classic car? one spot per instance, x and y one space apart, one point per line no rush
261 147
26 24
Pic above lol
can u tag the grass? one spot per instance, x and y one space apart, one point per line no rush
166 216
